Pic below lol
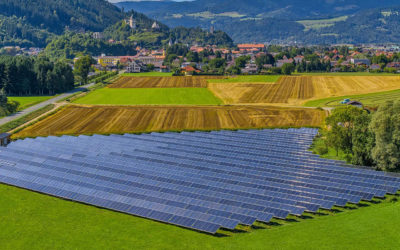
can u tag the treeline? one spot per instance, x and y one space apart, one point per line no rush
365 139
22 75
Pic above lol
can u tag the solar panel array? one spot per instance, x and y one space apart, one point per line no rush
203 181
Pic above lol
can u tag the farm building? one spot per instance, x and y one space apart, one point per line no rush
5 139
135 67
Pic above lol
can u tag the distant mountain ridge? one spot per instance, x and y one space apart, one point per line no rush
283 9
348 21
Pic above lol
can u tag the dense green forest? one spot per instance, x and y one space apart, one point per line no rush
56 15
22 75
16 31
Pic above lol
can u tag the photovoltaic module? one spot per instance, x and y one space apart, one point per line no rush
199 180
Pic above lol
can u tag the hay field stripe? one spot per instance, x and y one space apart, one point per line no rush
79 119
163 82
297 90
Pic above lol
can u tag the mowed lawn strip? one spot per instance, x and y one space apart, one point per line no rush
247 79
372 99
28 101
150 96
34 221
345 74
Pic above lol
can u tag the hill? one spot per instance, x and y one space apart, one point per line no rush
286 21
67 26
58 15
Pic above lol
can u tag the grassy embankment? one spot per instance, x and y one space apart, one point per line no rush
28 101
36 221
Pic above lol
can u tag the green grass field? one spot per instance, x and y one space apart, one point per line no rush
247 78
28 101
150 96
321 23
371 100
34 221
345 74
147 74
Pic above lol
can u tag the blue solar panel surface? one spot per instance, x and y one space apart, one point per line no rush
203 181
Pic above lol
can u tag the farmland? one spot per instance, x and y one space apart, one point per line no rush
162 82
150 96
247 79
147 74
123 119
296 90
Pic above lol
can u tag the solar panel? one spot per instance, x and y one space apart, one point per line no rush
199 180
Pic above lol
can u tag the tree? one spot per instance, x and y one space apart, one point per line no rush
288 68
386 126
150 67
217 63
342 125
3 98
193 57
265 59
363 140
82 67
234 70
241 61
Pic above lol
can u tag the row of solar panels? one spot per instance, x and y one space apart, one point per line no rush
197 180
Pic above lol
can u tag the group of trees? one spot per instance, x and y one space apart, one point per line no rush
22 75
7 107
366 139
71 45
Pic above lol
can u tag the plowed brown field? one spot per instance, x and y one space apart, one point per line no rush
163 82
122 119
296 90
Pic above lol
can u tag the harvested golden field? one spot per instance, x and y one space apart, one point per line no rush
163 82
296 90
76 119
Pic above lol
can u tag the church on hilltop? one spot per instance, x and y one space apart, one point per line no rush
155 26
131 22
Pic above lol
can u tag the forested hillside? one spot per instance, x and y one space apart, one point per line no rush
286 21
57 15
283 9
17 31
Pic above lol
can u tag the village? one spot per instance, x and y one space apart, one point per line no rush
335 59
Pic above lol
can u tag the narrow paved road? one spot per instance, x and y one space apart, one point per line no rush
42 104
